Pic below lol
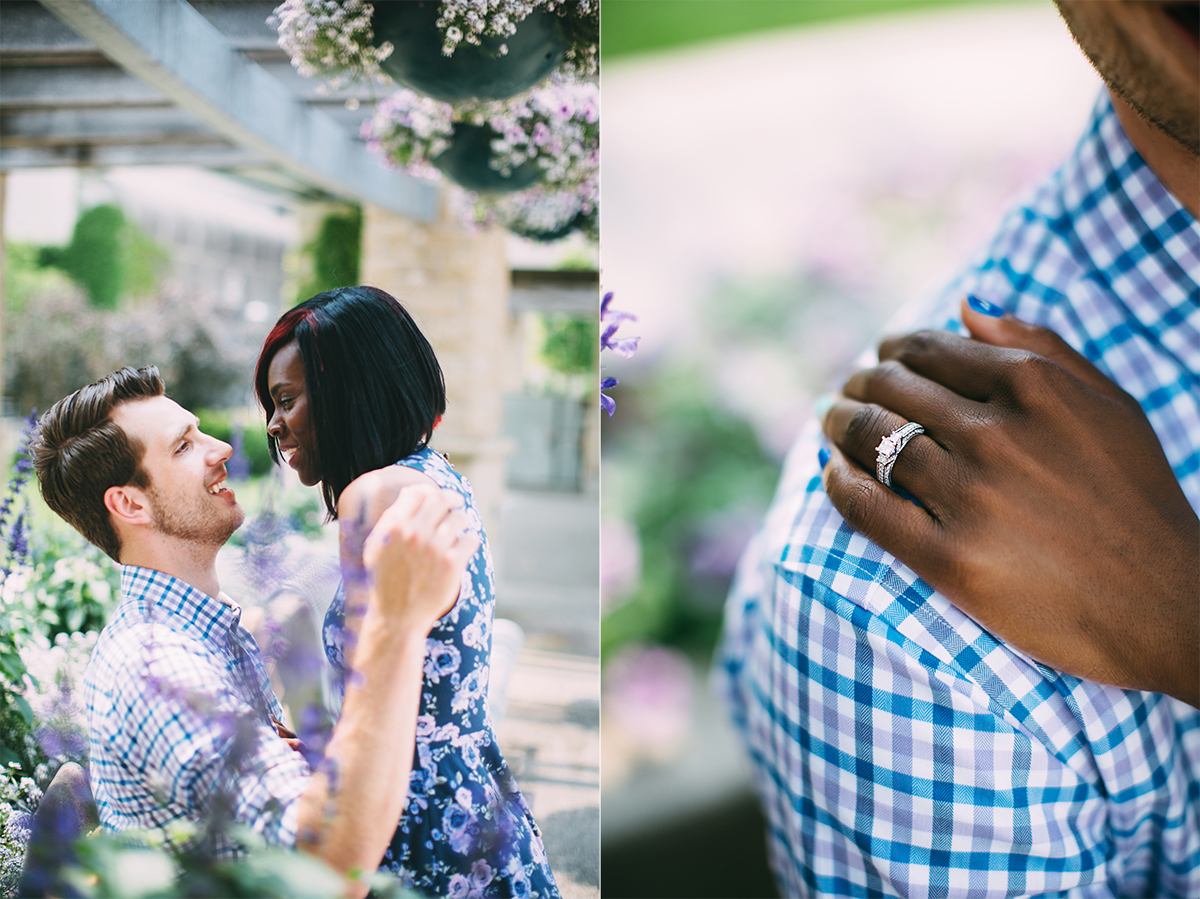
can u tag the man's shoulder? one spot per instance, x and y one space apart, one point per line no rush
136 648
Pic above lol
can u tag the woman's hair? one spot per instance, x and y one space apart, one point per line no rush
375 389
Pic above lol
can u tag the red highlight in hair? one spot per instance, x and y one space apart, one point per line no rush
282 334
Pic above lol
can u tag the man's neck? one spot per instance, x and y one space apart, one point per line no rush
192 563
1175 166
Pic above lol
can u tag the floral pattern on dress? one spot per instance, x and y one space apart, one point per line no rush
466 831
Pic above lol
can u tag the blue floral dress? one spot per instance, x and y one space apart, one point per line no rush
466 830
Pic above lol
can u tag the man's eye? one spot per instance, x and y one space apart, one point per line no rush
183 447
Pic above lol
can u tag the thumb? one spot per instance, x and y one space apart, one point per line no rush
990 324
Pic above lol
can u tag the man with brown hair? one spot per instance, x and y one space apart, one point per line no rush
183 724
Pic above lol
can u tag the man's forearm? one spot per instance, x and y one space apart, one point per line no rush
350 811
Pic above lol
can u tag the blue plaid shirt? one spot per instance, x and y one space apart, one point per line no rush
179 713
899 748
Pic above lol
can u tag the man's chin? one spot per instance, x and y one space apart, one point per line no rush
238 519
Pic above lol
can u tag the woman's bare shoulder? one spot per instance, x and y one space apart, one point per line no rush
368 495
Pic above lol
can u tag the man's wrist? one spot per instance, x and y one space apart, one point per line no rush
393 631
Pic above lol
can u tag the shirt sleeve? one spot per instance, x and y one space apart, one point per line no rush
190 731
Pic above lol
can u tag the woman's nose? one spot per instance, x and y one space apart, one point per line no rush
275 425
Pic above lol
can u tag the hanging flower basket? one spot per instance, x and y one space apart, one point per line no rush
550 136
542 214
496 67
331 40
467 162
453 50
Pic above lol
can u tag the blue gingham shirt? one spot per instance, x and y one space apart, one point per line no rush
179 712
899 748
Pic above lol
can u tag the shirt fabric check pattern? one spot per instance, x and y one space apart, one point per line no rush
900 749
180 712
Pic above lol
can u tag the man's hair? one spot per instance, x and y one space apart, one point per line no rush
375 389
79 452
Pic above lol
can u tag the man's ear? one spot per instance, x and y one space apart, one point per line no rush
128 505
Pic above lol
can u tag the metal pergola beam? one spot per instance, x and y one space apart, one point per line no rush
171 46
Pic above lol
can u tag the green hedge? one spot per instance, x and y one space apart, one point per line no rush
220 424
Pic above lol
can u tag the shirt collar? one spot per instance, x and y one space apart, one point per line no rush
1136 234
168 600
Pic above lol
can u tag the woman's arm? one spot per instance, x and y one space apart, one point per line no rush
1048 510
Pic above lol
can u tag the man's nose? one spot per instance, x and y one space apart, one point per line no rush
219 451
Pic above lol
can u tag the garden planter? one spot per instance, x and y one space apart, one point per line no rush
466 163
579 223
534 50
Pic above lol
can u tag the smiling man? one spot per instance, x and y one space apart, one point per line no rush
182 722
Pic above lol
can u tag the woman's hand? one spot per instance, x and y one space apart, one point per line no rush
1049 512
416 554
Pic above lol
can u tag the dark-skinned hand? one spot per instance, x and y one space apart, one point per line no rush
1048 511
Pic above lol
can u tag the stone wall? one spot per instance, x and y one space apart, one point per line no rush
456 285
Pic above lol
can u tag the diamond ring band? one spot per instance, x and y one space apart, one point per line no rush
889 450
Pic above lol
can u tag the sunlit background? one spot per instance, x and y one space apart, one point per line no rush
779 178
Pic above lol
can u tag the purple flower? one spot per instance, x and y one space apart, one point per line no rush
461 827
615 316
625 347
481 875
607 403
238 466
458 888
441 659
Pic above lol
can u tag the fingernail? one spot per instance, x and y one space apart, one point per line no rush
823 457
983 306
822 404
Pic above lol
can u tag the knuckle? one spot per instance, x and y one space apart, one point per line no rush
864 428
858 502
886 373
1029 369
921 343
1031 379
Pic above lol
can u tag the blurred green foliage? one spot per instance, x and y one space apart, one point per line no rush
640 26
335 254
220 423
571 344
694 465
24 278
109 256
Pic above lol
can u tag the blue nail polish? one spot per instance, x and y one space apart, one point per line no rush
822 404
823 457
983 306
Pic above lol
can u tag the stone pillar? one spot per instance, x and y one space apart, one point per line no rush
456 285
589 465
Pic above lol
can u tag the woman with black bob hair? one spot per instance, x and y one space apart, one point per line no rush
352 392
375 389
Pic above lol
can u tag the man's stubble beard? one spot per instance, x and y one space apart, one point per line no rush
1129 73
193 525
